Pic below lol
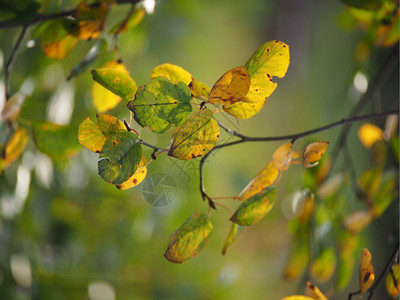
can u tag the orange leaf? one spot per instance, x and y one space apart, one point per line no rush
283 156
313 153
366 271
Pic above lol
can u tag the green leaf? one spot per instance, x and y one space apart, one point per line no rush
196 137
18 10
232 236
93 136
117 81
364 4
344 271
160 104
119 157
189 239
255 208
59 142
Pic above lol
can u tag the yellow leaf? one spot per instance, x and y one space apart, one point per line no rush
243 109
90 20
357 221
392 281
103 99
323 267
366 271
137 177
173 72
314 292
313 153
231 87
297 297
283 156
369 134
14 148
262 180
199 89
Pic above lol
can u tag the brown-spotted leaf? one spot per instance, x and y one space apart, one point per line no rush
230 88
366 271
315 292
369 134
93 135
195 137
262 180
234 232
137 177
392 281
255 208
313 153
173 72
14 148
283 156
189 239
199 89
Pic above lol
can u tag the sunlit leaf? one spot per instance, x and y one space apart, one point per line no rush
369 134
232 236
392 281
117 80
119 157
283 156
366 271
315 292
58 37
199 89
137 177
230 88
93 135
323 267
196 137
173 72
90 19
12 107
189 239
161 103
244 109
297 297
255 208
357 221
14 148
58 142
136 17
265 178
313 153
103 99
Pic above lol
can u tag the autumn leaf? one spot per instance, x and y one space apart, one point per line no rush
323 266
58 142
93 135
90 20
366 271
315 292
189 239
103 99
283 156
172 72
255 208
297 260
117 80
14 148
313 153
262 180
136 17
357 221
392 281
369 134
298 297
199 90
196 137
161 103
137 177
230 88
119 157
232 236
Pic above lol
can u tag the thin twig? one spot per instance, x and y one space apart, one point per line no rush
10 61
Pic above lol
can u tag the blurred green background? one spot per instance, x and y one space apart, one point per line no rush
66 234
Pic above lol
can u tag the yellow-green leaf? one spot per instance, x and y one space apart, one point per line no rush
195 137
232 236
255 208
14 148
136 17
137 177
199 89
313 153
392 281
315 292
189 239
93 136
262 180
366 271
323 267
173 72
369 134
90 20
283 156
297 260
230 88
344 270
385 196
103 99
